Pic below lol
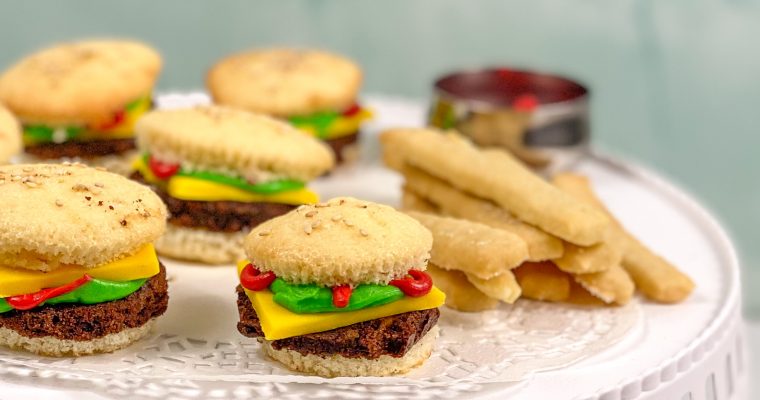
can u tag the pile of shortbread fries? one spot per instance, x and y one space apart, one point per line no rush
502 232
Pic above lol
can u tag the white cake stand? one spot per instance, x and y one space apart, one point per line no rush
690 351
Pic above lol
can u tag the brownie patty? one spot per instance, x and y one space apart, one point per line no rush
393 335
339 144
217 216
87 322
72 149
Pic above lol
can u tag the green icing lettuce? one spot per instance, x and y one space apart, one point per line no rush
320 122
240 183
270 187
35 134
137 103
93 292
44 134
308 299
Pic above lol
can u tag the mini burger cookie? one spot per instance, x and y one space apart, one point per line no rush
80 100
10 136
339 289
221 172
78 272
314 90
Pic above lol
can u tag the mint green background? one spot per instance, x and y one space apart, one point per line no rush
675 82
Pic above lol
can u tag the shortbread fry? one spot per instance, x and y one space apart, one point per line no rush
543 281
579 295
410 201
460 293
471 247
611 286
584 260
455 203
502 287
499 177
579 187
655 277
658 279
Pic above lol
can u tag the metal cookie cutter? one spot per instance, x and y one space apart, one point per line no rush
542 119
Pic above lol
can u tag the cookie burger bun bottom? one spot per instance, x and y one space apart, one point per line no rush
81 239
336 365
335 245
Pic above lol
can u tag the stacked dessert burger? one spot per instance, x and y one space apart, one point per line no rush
339 289
503 232
314 90
80 100
10 136
78 272
221 172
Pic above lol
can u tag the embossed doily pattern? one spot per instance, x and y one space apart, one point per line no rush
501 345
116 386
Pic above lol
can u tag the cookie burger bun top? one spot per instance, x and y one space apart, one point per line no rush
70 214
79 82
228 139
10 135
341 241
285 82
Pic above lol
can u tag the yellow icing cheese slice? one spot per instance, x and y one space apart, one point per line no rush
140 166
345 126
278 322
342 126
130 118
16 281
187 188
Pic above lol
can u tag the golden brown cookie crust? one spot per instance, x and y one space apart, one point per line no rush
79 82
